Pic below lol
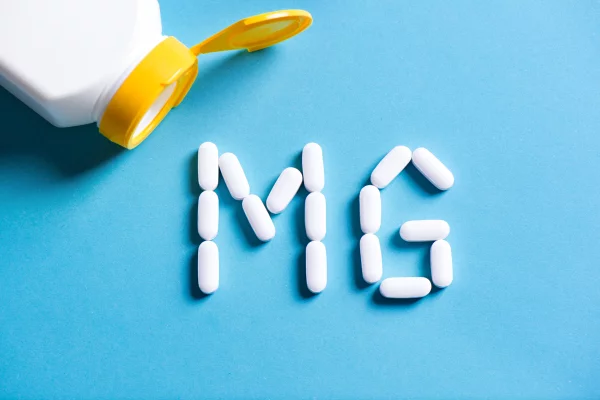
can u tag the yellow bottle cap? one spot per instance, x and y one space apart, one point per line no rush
164 77
258 32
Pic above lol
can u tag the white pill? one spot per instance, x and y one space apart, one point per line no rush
370 258
312 167
284 190
370 209
208 215
441 264
432 168
405 288
316 267
315 216
208 166
259 217
208 267
234 176
390 166
427 230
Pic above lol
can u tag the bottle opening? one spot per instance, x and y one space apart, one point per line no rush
157 84
152 113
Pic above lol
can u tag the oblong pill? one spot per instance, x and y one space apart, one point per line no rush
208 215
405 288
208 267
427 230
370 209
316 267
315 216
390 166
432 168
259 217
234 176
312 167
284 190
441 264
370 258
208 166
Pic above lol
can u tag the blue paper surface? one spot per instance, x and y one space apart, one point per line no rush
98 245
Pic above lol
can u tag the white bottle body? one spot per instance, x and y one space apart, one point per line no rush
66 58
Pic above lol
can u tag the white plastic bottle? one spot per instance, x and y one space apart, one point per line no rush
76 62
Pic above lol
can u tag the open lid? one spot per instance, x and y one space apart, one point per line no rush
257 32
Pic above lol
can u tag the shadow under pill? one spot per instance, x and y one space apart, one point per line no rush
299 219
265 196
194 236
296 162
359 281
419 182
367 179
194 186
192 279
379 300
356 232
354 215
303 291
302 240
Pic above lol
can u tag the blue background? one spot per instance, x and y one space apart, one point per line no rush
98 245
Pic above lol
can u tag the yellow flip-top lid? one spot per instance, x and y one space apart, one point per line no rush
258 32
163 78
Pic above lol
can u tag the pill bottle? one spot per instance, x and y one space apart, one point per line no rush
76 62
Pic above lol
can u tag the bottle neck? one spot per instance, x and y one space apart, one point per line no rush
143 95
139 52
